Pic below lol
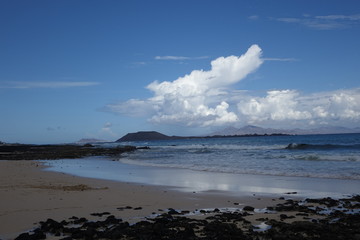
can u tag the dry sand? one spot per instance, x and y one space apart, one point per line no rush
29 195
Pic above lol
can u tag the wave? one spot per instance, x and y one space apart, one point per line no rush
327 158
252 171
215 147
305 146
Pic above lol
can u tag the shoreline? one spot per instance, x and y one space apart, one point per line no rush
31 193
187 180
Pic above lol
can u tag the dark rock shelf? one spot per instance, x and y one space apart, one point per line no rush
38 152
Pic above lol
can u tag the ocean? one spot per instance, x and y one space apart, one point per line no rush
310 165
318 156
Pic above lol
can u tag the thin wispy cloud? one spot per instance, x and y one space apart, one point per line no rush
107 129
44 84
326 22
53 128
355 17
253 17
179 58
281 59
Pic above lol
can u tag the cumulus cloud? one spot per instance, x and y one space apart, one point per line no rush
198 98
206 98
283 106
277 106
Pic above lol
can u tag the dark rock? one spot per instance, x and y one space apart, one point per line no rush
146 147
183 212
220 230
100 214
80 220
329 202
172 211
66 238
51 226
61 151
337 225
248 208
23 236
112 220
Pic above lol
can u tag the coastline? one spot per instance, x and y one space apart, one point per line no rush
187 180
32 194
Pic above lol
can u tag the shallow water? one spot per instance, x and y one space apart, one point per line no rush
194 181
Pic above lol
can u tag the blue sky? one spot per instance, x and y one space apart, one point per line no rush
100 69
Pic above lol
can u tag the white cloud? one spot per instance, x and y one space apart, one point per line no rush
192 99
337 107
281 59
205 98
328 22
355 17
196 99
277 106
25 85
171 58
179 58
106 130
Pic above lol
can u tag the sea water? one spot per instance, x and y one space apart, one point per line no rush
311 165
318 156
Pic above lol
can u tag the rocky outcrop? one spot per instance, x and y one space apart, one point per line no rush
330 219
37 152
145 136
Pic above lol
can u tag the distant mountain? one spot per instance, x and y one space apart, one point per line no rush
145 136
232 131
248 130
261 131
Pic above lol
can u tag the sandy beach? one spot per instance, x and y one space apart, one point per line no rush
30 195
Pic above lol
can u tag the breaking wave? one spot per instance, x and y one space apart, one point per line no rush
304 146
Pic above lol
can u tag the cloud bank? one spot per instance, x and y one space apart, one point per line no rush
205 98
341 107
